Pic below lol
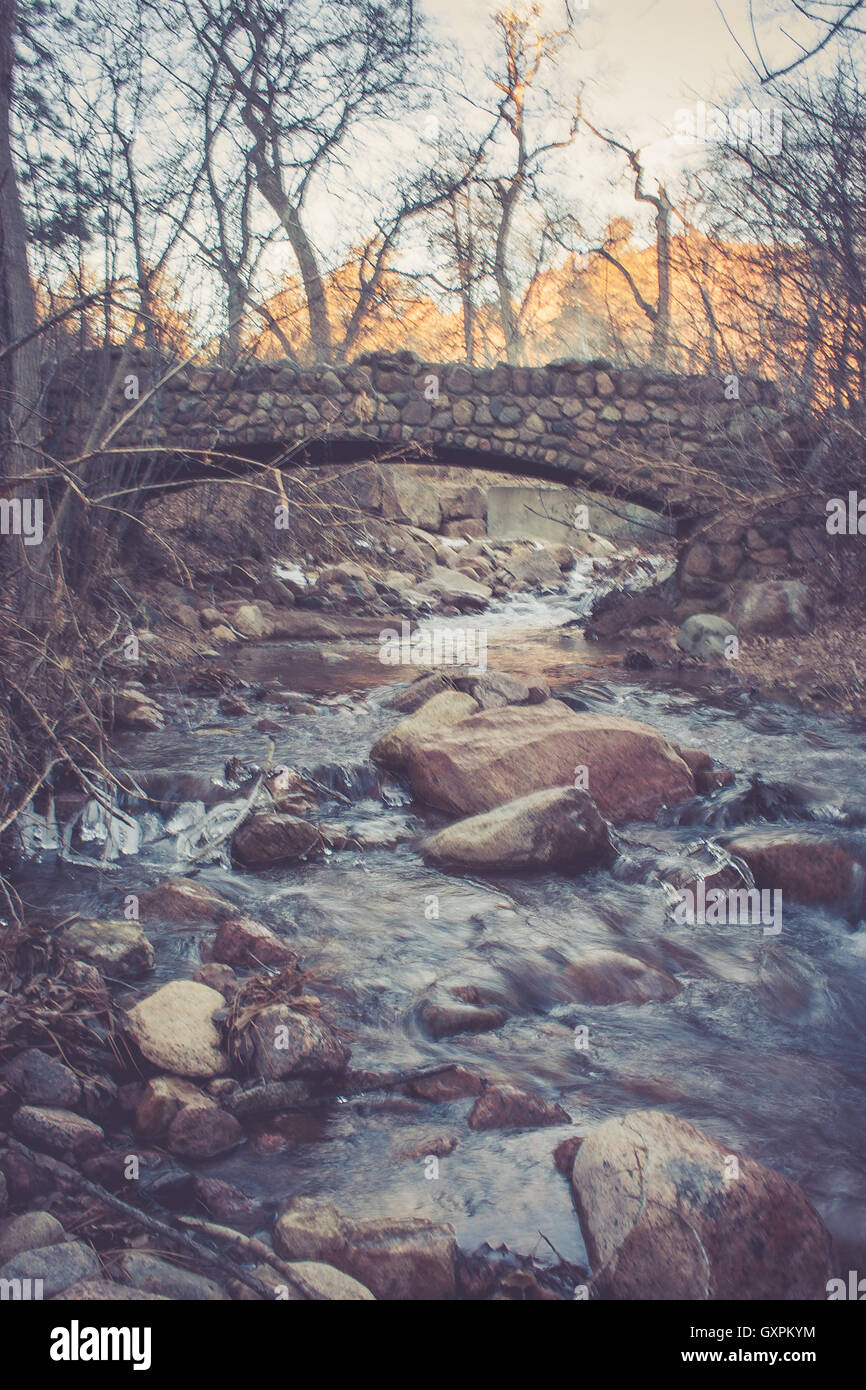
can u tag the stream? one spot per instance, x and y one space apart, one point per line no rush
762 1047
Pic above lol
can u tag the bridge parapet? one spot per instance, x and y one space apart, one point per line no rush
577 421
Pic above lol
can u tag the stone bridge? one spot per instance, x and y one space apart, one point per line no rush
668 442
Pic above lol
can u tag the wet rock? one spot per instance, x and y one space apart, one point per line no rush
442 710
808 868
609 977
232 705
119 949
57 1131
150 1274
707 777
243 941
57 1266
443 1017
564 1153
269 839
42 1080
174 1029
32 1231
423 1141
267 1098
228 1206
705 635
776 606
394 1257
202 1130
286 1043
495 689
136 711
630 770
447 1083
556 829
185 901
506 1107
661 1221
106 1291
219 977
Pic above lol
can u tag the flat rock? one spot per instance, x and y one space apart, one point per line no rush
628 768
600 976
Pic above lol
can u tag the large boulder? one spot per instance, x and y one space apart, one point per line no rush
396 1258
448 707
556 829
666 1214
628 768
774 606
174 1028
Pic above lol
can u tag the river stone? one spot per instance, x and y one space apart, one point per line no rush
448 707
159 1103
507 1107
452 584
57 1131
808 868
556 829
441 1016
42 1080
32 1231
185 901
631 771
446 1083
398 1258
289 1043
243 941
57 1266
271 838
331 1284
704 635
776 606
661 1220
537 569
201 1131
174 1029
599 976
106 1291
150 1274
137 711
118 949
249 620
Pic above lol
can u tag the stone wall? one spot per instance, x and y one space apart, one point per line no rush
615 428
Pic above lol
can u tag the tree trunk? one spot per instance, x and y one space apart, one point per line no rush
19 371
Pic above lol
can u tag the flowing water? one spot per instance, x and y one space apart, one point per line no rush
763 1045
